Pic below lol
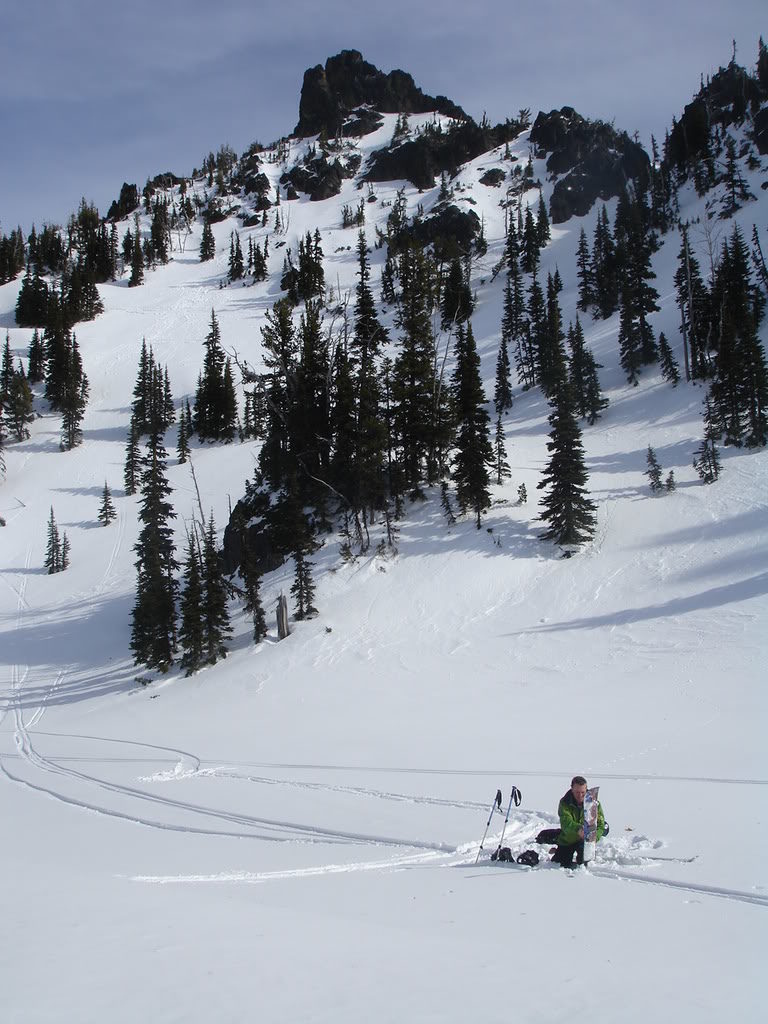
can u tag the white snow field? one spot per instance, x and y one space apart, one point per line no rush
292 834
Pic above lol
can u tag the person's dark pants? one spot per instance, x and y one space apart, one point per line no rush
564 854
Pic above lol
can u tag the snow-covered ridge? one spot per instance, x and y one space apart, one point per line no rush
348 770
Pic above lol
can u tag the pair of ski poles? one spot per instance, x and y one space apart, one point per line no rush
516 798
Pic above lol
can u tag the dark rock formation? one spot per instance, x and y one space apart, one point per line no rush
589 159
253 181
126 204
347 82
420 159
724 101
493 178
266 558
450 230
320 177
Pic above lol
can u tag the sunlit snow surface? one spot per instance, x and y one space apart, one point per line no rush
292 834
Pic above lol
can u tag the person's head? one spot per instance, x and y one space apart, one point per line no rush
579 788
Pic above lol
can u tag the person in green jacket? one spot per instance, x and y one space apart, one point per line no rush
570 810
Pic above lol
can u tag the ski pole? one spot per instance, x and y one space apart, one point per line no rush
496 804
515 797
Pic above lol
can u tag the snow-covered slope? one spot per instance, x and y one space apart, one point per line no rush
292 834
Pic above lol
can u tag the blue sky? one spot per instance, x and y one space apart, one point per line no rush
96 92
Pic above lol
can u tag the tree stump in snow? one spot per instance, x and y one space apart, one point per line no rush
282 618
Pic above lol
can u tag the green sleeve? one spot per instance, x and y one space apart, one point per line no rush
600 821
570 823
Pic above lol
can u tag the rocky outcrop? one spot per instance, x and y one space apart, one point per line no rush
450 230
493 178
589 160
321 177
436 150
347 82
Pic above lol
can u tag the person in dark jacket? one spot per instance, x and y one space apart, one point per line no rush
570 810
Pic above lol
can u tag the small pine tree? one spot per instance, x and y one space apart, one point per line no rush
132 466
653 472
706 459
182 445
252 582
502 395
669 368
303 588
64 552
501 464
207 243
19 405
216 627
445 501
669 483
191 607
137 261
107 511
522 494
53 550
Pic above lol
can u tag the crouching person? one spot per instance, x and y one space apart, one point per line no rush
570 810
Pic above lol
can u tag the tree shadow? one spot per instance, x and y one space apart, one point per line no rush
714 597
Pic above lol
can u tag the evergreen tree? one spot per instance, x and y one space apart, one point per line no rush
566 508
706 460
537 341
215 402
669 368
19 406
530 246
629 337
74 398
36 365
551 338
543 232
137 261
252 584
413 380
604 267
191 628
739 389
153 630
445 501
132 465
107 511
522 494
653 472
303 588
695 306
6 370
207 243
236 266
474 452
457 301
669 483
501 465
514 328
65 549
182 445
368 487
216 627
53 550
502 393
584 274
583 377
